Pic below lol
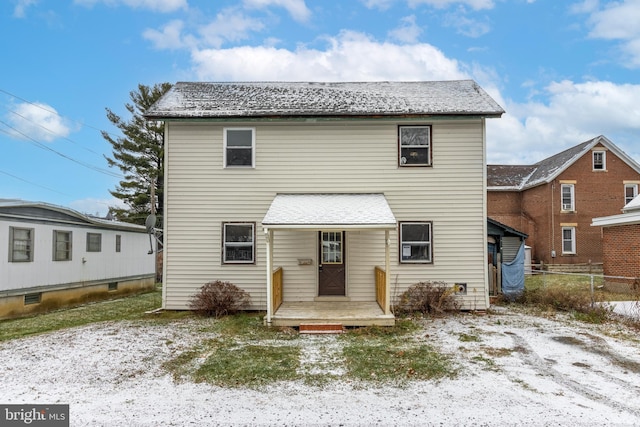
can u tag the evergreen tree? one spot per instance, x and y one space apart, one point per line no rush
139 155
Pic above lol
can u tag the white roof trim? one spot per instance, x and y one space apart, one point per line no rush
329 211
621 219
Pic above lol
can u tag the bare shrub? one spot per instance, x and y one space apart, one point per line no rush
219 299
428 298
594 310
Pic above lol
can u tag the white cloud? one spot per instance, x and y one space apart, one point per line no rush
154 5
378 4
466 26
408 31
296 8
37 121
441 4
350 56
170 37
20 10
573 113
230 25
616 21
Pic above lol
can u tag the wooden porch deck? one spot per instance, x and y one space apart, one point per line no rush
347 313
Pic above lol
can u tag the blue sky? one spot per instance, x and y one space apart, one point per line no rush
565 71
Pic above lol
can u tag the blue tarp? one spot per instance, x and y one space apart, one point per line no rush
513 276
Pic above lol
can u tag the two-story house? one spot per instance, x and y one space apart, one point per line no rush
555 200
325 201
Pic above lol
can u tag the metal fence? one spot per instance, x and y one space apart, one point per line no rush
622 293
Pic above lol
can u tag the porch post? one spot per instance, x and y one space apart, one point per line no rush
268 234
387 266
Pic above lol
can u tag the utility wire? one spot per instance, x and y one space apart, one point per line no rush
54 133
54 112
44 147
33 183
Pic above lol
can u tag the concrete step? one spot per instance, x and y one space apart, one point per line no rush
321 328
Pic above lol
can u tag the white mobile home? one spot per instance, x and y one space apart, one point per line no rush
54 256
325 201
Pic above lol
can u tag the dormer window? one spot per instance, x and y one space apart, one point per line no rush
599 160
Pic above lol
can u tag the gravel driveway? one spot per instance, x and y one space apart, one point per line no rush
517 369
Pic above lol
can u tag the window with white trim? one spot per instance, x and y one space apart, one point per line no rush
599 160
94 242
20 244
568 240
630 192
415 242
61 245
414 145
568 197
238 243
239 147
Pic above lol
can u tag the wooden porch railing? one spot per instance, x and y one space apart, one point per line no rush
276 289
380 287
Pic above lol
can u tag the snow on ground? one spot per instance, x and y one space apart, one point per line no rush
516 369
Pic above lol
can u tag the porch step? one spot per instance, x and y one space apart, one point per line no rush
321 328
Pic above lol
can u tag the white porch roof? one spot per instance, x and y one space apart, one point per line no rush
330 211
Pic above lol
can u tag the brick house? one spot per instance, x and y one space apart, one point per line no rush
554 200
621 242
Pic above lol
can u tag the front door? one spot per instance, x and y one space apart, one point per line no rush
331 271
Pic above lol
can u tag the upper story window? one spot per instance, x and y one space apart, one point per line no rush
94 242
568 197
238 243
414 145
61 245
239 147
630 192
599 160
20 244
415 242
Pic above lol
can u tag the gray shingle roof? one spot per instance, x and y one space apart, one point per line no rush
521 177
305 99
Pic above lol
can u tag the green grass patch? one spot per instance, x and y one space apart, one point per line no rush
127 308
468 338
233 364
377 362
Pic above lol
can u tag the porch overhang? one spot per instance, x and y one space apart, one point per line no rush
325 212
330 212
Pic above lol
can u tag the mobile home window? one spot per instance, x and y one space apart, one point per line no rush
415 145
599 160
20 244
569 240
239 147
238 243
61 245
415 242
94 242
118 243
630 192
568 197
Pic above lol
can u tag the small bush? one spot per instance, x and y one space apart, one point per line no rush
569 300
219 299
428 298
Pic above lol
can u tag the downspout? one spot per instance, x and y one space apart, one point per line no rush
268 234
553 223
387 280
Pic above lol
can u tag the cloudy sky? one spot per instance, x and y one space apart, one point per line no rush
565 71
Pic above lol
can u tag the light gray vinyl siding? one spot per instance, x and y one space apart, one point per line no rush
327 157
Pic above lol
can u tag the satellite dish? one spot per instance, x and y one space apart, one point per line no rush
150 223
